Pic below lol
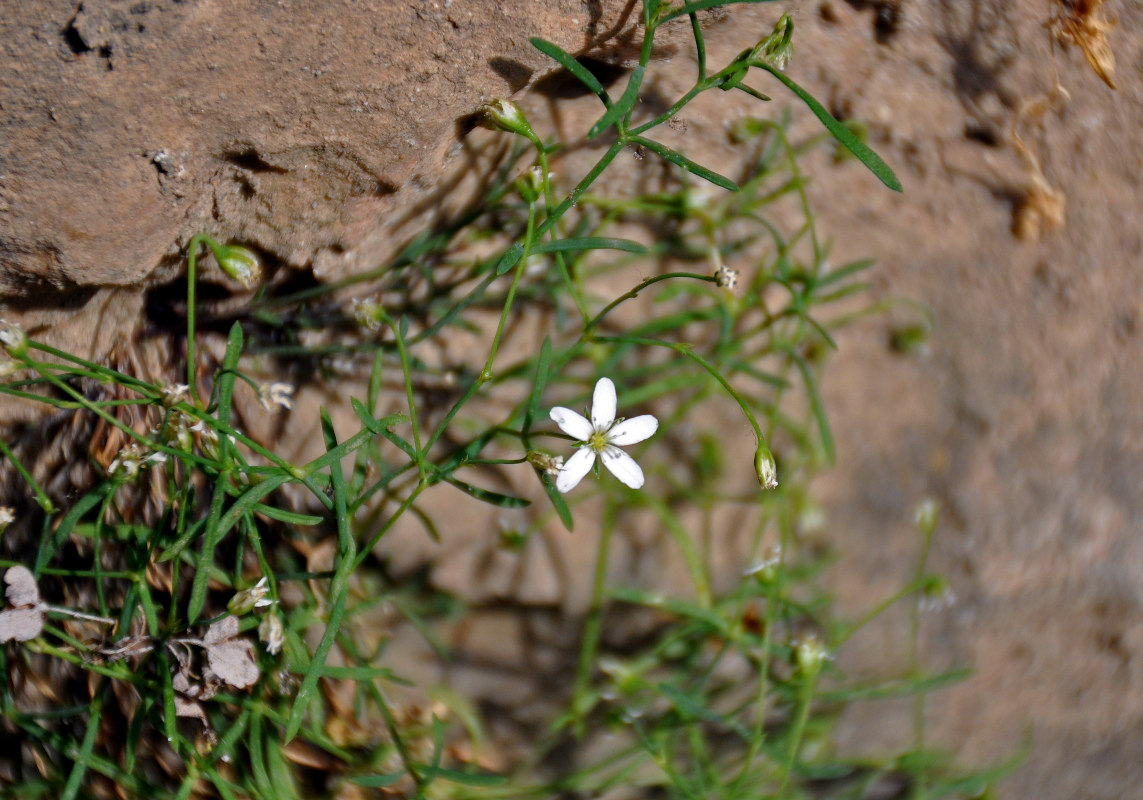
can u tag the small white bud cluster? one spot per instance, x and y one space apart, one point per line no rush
368 313
726 277
276 395
133 458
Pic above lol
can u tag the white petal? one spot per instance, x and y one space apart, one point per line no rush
631 431
571 423
623 467
603 404
575 468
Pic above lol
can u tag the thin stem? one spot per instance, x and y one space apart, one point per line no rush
635 293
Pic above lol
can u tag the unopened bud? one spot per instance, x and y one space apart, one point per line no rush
545 462
777 48
505 115
530 185
726 277
13 339
368 313
245 601
765 467
271 633
810 652
926 516
240 263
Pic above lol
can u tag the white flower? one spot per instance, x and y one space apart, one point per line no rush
175 393
276 394
602 436
726 277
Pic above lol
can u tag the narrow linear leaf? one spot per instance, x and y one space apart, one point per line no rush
702 5
464 778
841 273
817 405
569 62
679 160
377 781
509 259
289 517
843 134
558 503
50 544
626 103
84 755
543 364
902 688
339 589
589 243
486 496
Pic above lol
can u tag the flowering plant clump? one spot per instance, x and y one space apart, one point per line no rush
708 686
602 436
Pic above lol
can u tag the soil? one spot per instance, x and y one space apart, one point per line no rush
319 133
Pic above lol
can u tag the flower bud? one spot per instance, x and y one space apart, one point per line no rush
271 633
368 313
505 115
545 462
726 277
765 467
13 339
240 263
530 185
926 516
777 48
249 599
810 652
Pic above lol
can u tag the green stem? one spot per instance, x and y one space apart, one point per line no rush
591 628
635 293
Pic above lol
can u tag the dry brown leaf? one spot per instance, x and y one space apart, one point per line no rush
229 658
1081 22
192 709
26 619
21 624
22 591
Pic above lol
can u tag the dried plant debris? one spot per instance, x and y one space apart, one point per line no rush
228 657
25 620
1081 22
1042 208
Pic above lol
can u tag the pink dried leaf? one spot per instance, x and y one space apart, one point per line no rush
191 709
21 624
225 628
22 591
233 662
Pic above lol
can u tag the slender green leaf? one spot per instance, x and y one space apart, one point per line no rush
511 256
569 62
84 755
464 778
50 544
289 517
843 134
558 502
702 5
543 364
339 588
618 110
589 243
816 404
900 688
486 496
377 781
679 160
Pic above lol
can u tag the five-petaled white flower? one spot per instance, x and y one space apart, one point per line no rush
602 436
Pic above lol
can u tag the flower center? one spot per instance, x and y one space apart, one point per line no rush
597 441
